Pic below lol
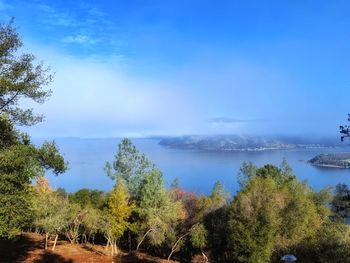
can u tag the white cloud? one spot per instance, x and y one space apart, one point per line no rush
94 98
80 39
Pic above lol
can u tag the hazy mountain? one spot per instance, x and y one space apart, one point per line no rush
244 143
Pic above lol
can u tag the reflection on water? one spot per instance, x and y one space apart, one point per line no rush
196 170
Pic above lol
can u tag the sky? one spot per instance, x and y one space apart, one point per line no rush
164 68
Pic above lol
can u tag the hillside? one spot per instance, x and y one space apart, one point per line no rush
239 143
29 248
332 160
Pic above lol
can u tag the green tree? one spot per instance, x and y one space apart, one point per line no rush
198 237
130 165
330 244
157 212
88 198
20 78
341 202
20 161
49 210
91 224
272 214
254 221
74 217
19 165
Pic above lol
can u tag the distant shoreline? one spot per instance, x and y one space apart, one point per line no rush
330 166
339 160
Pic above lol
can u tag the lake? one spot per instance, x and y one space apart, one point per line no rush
197 170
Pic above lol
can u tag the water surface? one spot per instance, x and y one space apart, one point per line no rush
197 170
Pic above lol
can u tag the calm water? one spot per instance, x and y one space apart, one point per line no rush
196 170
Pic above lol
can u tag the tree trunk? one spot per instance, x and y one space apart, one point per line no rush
54 244
83 239
175 246
205 257
107 244
112 249
129 240
115 248
143 238
46 238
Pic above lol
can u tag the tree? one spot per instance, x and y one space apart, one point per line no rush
219 195
246 172
345 130
49 209
198 237
119 211
281 175
254 221
130 165
88 198
19 165
157 213
271 215
74 217
341 202
330 244
20 78
91 224
20 161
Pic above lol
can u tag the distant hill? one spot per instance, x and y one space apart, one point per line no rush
239 143
332 160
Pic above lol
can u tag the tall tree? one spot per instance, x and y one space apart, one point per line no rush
20 78
198 237
19 165
50 209
273 213
119 211
157 212
130 165
20 161
341 202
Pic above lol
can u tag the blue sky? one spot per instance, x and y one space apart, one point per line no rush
140 68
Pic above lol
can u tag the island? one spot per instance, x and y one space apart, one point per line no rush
338 160
225 143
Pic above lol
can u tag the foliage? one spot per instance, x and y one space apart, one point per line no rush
130 165
88 198
330 244
345 130
254 221
246 172
155 209
198 236
119 211
19 164
219 196
49 208
341 202
281 175
272 213
20 78
20 161
74 217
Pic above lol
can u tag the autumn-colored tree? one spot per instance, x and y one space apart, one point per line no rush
116 218
49 210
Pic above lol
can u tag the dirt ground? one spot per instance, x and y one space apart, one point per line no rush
30 248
